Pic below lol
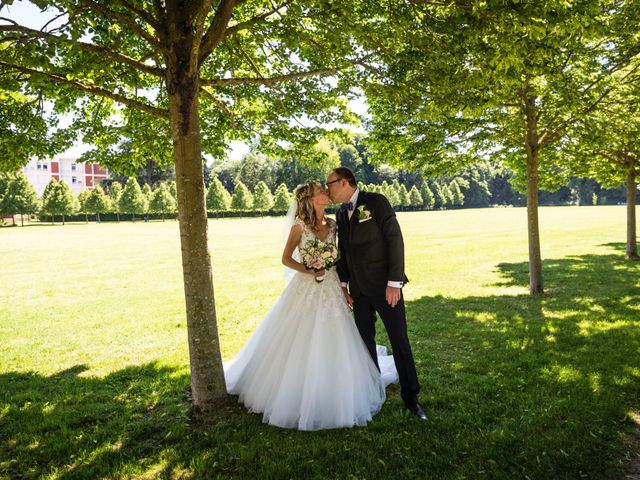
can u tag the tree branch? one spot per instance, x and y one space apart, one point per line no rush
125 19
143 14
218 102
221 82
548 136
161 17
52 21
215 33
159 8
257 19
201 17
92 89
254 67
31 33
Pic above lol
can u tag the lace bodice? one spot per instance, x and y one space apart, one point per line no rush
308 234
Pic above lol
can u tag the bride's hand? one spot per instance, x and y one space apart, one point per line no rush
321 273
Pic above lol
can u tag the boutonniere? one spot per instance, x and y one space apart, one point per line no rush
363 214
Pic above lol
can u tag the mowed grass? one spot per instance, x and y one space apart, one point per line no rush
94 374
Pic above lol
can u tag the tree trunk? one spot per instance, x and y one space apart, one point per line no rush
63 219
21 220
535 257
207 376
98 217
532 147
632 245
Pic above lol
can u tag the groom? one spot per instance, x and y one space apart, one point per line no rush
372 266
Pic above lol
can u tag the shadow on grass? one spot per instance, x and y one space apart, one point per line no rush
76 426
549 382
515 387
621 247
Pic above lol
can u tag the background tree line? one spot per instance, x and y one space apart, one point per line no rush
262 183
482 183
18 197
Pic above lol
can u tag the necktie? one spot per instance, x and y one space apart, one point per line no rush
345 207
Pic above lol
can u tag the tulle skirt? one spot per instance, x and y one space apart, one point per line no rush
306 366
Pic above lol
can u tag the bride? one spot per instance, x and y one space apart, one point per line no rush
306 366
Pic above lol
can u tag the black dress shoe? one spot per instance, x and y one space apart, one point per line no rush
415 408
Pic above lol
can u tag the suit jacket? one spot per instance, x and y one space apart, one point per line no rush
371 250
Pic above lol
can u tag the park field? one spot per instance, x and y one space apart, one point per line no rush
94 372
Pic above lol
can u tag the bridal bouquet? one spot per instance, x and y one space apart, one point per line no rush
317 255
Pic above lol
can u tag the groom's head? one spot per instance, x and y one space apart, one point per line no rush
341 183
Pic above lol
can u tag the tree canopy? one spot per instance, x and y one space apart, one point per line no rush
173 80
515 78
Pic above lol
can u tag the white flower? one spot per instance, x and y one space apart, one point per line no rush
317 255
363 213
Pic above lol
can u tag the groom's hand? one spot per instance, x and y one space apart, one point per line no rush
393 296
348 298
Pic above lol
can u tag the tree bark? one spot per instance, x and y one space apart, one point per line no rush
208 386
632 245
535 257
532 147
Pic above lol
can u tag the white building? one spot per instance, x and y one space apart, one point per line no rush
79 176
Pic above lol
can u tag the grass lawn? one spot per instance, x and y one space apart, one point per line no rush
94 375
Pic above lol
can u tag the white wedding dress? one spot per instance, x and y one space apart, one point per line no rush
306 366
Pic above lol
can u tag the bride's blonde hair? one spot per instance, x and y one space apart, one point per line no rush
304 203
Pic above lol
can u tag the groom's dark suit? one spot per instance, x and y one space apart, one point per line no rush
371 254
